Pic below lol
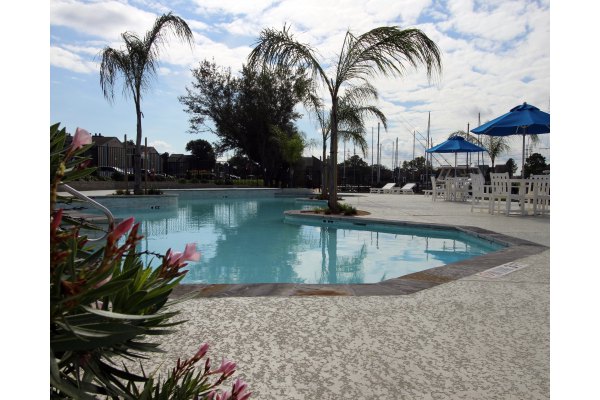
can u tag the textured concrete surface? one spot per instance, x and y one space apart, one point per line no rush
473 338
469 339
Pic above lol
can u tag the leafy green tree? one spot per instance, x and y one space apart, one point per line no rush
384 50
511 166
535 164
203 153
413 170
137 64
241 165
247 113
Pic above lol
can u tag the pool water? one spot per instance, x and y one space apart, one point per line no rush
246 241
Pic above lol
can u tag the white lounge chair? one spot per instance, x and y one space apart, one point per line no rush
406 189
385 189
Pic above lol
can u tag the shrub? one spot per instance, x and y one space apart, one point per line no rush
104 304
347 209
182 180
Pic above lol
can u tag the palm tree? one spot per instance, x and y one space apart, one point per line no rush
137 64
496 145
351 120
384 50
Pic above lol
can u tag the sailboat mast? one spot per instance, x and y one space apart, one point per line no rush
426 156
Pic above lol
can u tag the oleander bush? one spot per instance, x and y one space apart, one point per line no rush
107 307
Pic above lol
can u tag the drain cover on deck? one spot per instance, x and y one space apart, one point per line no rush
501 270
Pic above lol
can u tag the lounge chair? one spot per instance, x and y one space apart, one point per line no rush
406 189
385 189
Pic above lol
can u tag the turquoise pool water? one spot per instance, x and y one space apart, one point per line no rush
246 241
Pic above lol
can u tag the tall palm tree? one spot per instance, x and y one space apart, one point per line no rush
384 50
351 120
137 64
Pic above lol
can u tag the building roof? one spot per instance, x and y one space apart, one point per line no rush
106 140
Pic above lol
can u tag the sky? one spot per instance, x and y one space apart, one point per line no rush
495 55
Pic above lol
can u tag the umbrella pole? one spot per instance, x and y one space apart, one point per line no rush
455 166
523 159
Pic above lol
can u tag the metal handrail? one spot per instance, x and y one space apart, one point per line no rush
94 203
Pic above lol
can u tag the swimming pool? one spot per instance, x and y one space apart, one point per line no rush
246 241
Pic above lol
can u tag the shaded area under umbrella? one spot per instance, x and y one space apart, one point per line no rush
524 119
455 144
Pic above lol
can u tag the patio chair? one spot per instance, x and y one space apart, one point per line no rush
437 189
502 193
539 194
385 189
406 189
480 193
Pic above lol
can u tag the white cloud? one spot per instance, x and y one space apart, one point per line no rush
161 146
233 7
107 19
87 50
63 58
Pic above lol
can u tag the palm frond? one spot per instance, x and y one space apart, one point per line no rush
114 62
355 136
387 51
281 48
360 94
138 62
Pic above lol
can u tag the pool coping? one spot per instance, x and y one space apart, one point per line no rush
407 284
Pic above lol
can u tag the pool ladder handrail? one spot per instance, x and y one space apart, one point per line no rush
94 203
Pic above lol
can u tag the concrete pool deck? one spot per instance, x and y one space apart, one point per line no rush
472 338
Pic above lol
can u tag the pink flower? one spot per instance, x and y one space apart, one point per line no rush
189 254
56 220
239 387
227 367
81 138
202 351
245 396
121 229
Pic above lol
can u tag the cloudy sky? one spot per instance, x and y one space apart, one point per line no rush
496 55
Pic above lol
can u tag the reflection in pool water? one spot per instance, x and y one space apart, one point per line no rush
246 241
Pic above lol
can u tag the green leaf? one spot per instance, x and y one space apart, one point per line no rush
77 174
114 315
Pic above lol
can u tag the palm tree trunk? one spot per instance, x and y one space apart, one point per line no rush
324 172
137 161
332 203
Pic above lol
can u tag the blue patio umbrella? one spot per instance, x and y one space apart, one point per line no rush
455 144
520 120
